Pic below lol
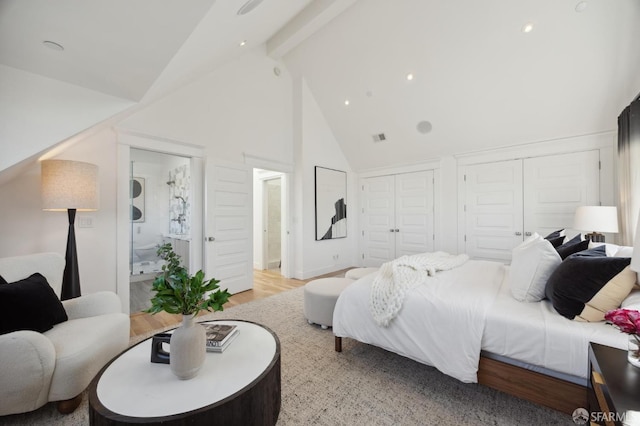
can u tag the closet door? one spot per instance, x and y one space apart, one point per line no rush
378 220
397 216
493 209
414 213
555 186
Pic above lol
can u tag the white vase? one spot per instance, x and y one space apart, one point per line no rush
633 354
187 348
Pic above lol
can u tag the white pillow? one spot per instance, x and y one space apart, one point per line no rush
532 262
632 301
624 251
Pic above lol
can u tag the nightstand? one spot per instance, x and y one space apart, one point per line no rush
614 385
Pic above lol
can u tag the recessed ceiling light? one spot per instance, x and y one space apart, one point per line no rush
53 45
249 6
528 27
581 6
243 43
346 102
409 76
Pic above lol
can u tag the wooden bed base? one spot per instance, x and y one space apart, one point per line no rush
529 385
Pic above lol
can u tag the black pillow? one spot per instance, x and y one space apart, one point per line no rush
29 304
572 246
3 281
556 238
574 283
599 251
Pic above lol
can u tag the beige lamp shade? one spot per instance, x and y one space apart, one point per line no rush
596 219
69 185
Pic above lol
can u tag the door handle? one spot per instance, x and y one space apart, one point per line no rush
392 230
211 238
528 234
397 230
518 233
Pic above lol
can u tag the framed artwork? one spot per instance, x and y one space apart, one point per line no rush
136 189
331 203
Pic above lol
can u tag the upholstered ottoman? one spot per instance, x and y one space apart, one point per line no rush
357 273
320 298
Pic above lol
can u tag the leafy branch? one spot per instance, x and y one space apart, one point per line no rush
176 292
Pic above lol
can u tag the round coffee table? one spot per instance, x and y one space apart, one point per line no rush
238 386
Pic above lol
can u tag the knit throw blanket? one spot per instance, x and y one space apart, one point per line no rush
396 278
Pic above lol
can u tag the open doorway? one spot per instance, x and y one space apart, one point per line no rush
268 212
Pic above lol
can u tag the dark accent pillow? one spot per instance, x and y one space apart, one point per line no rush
586 285
599 251
29 304
556 238
572 246
3 281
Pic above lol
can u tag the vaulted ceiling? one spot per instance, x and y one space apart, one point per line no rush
478 80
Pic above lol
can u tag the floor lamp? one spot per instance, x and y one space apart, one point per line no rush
71 186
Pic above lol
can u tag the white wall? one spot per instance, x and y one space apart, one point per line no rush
242 107
25 228
39 112
317 146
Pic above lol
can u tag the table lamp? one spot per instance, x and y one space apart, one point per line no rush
71 186
596 219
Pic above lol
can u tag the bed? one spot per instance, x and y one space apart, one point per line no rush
466 323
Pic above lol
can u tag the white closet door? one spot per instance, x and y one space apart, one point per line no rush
493 209
229 226
378 220
555 186
414 213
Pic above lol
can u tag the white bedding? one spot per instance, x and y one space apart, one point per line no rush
447 321
536 334
449 307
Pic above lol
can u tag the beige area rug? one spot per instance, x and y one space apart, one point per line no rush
362 385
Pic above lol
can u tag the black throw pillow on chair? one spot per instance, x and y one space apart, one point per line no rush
29 304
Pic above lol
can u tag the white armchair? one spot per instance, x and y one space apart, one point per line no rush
57 365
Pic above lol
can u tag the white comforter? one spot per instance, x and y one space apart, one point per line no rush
449 319
441 322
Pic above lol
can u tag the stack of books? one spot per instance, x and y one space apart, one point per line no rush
219 336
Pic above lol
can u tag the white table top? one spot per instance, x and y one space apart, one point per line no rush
134 386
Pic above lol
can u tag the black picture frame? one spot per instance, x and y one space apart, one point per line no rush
330 203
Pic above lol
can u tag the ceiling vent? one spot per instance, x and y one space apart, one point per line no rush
379 137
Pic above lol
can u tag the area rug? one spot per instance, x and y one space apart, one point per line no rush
361 385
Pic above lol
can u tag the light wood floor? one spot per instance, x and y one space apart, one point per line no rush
265 284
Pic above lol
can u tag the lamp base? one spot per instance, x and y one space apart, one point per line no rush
71 277
595 237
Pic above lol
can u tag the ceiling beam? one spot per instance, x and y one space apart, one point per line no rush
304 24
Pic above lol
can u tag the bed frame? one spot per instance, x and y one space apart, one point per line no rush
532 386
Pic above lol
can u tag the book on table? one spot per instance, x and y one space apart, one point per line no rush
219 336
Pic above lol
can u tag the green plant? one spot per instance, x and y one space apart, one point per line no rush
176 292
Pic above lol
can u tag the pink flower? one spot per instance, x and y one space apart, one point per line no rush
626 320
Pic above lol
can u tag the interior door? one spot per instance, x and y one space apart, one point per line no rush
229 226
555 186
493 209
414 213
378 220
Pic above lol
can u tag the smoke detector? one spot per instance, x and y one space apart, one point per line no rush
379 137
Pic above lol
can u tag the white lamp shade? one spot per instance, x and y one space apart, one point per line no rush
635 260
69 185
596 219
